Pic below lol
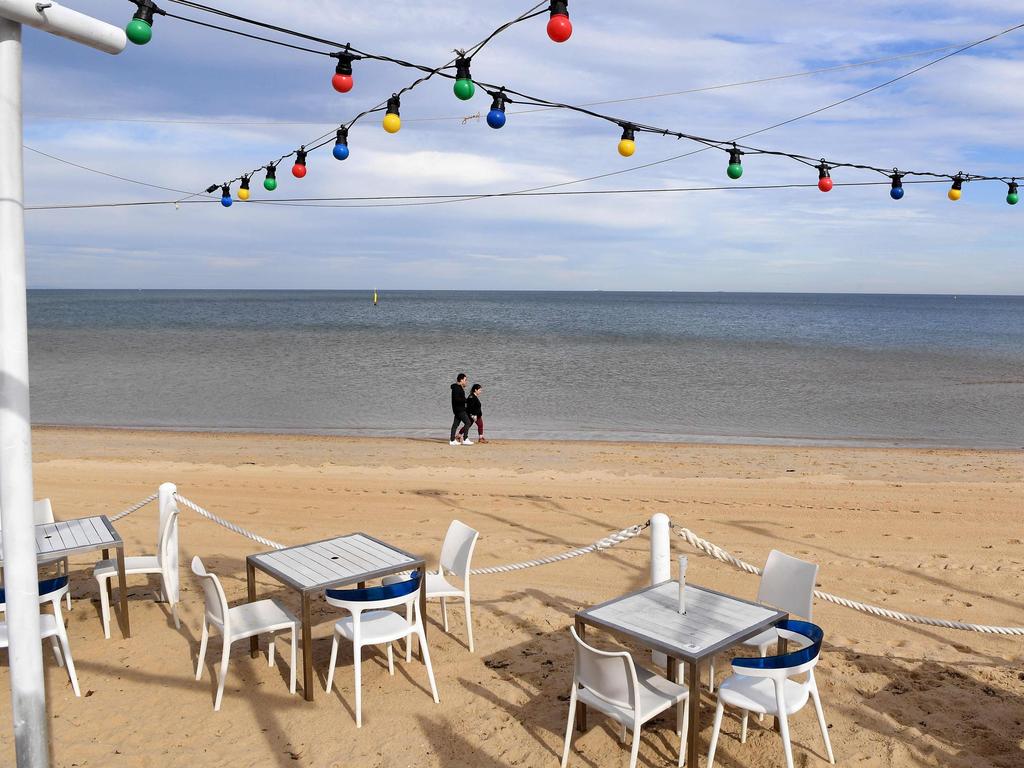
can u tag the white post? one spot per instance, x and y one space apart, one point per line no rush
21 576
169 504
661 562
28 696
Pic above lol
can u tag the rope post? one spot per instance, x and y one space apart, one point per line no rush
661 562
169 504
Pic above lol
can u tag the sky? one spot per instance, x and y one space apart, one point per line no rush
196 106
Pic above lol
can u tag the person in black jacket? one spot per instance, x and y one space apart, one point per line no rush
476 411
459 409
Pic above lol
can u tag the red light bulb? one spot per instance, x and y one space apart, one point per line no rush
559 26
342 83
824 180
299 169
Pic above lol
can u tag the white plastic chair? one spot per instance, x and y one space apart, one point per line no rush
611 683
51 625
456 557
787 583
765 686
238 623
42 512
372 623
106 570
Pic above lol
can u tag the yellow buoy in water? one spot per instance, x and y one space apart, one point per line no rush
375 297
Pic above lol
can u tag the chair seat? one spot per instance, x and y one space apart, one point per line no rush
107 569
251 619
438 586
757 694
47 628
655 694
375 627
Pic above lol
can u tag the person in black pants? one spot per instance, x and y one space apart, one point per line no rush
476 411
459 409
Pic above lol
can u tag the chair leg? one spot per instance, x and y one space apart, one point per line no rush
104 607
174 613
408 638
444 612
67 599
223 676
294 646
469 625
334 659
783 724
622 734
426 661
683 726
270 651
711 675
634 753
714 734
357 663
55 645
66 647
743 727
202 651
821 719
568 727
391 661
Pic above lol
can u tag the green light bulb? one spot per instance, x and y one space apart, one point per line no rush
139 32
734 171
464 89
1013 198
270 184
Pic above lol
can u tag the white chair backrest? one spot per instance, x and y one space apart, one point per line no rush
609 675
163 544
42 511
457 550
804 658
355 607
788 584
213 592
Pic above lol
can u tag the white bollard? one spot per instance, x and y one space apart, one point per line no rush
169 504
661 562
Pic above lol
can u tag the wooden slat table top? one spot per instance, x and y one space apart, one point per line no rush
68 537
713 621
334 562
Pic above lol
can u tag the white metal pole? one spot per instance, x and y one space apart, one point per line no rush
661 561
28 697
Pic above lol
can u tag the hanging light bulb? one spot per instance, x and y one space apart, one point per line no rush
896 193
464 87
392 121
340 150
627 144
956 190
342 80
140 29
270 182
735 169
496 117
243 189
1012 197
299 169
559 26
225 196
824 179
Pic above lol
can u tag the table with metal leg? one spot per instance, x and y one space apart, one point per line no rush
713 622
310 569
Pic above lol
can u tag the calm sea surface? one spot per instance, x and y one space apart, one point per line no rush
918 370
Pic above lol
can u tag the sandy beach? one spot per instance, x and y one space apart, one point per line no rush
935 532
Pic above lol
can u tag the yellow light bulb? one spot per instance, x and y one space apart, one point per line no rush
627 147
954 194
243 194
392 122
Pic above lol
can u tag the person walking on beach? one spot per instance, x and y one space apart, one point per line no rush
476 412
459 409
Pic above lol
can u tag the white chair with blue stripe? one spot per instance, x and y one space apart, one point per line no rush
51 625
764 686
373 623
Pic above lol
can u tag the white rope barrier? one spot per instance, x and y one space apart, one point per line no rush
226 523
606 543
133 508
713 550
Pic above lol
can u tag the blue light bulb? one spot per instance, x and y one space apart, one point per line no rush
496 118
896 193
340 151
225 196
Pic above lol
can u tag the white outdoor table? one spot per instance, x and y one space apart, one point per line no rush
713 622
55 541
311 568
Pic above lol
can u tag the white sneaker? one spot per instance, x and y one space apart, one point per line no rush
467 442
454 442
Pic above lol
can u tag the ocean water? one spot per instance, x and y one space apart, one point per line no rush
721 367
